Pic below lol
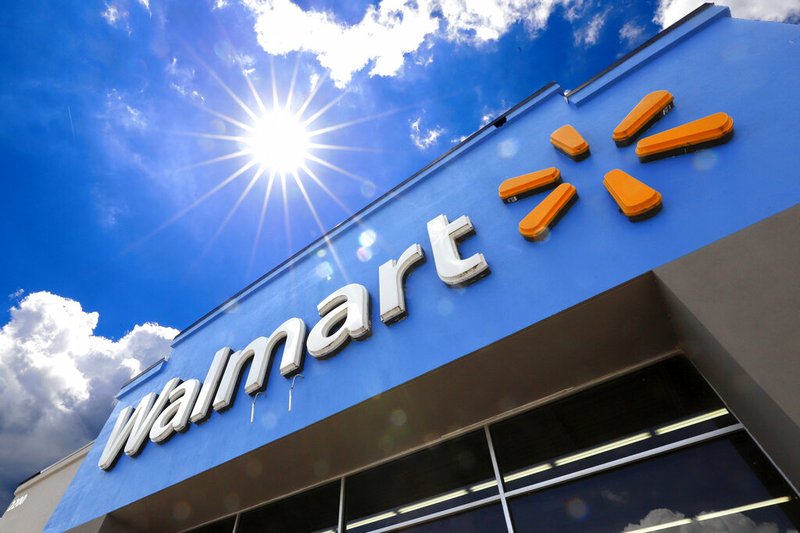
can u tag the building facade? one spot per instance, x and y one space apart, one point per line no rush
634 367
37 497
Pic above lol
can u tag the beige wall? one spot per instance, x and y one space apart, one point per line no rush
43 491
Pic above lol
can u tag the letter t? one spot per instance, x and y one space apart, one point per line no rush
444 240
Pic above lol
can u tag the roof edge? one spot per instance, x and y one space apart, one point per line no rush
80 453
139 378
643 53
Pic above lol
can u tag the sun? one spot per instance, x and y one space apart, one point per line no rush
278 142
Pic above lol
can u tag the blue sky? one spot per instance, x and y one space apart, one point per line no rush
93 139
108 111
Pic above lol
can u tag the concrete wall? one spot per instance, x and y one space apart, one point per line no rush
735 305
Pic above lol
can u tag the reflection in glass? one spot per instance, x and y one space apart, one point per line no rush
603 449
447 475
643 410
487 519
692 421
316 510
724 485
571 466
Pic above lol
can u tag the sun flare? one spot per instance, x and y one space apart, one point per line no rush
278 142
281 145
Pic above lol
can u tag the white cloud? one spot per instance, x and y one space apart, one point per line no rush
122 122
119 112
575 10
58 380
424 55
589 34
390 32
112 14
172 68
670 11
422 138
486 118
630 34
313 80
491 113
381 39
227 52
182 80
16 294
479 21
116 15
423 60
733 523
393 31
108 211
488 114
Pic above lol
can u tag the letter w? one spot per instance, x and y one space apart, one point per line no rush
133 426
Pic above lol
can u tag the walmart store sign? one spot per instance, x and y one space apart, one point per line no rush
344 315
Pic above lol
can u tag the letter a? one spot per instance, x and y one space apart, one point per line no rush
348 306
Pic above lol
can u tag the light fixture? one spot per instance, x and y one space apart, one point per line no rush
433 501
602 449
483 486
711 516
527 472
659 527
743 508
692 421
371 519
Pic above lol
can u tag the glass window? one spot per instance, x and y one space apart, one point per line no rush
575 465
487 519
310 511
659 405
724 485
444 476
